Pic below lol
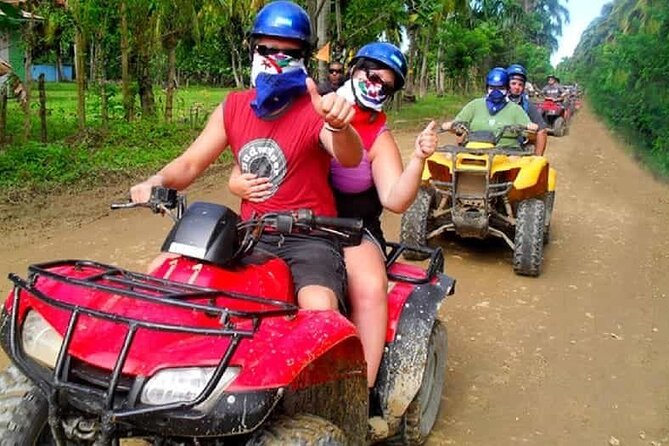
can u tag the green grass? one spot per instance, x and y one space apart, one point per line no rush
414 116
126 151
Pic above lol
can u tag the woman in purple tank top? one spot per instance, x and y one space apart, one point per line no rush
378 182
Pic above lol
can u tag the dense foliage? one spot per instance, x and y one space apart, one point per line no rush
623 59
136 59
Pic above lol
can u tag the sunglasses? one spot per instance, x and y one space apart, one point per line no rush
295 53
374 78
335 71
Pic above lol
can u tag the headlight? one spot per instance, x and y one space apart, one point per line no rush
40 340
184 384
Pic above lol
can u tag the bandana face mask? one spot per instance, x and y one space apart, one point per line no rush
278 77
496 100
369 90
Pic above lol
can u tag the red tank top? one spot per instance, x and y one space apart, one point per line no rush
286 149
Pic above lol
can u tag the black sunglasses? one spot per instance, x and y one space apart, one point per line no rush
295 53
335 71
376 79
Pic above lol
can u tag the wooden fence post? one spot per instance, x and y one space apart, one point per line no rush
42 108
3 112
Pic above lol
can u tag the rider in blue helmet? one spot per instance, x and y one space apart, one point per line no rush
388 55
517 79
285 20
494 111
284 131
379 182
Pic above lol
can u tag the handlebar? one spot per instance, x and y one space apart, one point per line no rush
162 201
301 221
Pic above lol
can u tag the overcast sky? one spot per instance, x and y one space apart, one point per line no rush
581 13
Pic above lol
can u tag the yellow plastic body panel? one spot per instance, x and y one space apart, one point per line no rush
534 176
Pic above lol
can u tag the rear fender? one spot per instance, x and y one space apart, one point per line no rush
532 169
404 359
552 179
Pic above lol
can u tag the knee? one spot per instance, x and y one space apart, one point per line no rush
317 298
370 292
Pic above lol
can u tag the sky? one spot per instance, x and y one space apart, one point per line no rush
581 13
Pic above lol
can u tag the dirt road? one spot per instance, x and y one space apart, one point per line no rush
578 356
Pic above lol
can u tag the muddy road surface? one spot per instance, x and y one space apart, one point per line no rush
578 356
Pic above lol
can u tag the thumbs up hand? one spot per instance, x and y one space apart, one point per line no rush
426 141
336 111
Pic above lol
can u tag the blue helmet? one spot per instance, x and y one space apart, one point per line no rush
387 54
283 19
517 70
497 77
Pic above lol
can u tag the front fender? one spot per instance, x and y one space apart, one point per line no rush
403 364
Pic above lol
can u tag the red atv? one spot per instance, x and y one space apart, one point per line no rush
556 114
211 349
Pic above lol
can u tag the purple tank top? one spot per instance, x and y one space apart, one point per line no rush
353 180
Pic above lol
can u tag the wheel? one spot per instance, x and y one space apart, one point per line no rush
299 430
23 411
529 238
414 226
423 410
549 203
558 126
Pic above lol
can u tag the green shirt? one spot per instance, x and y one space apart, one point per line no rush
478 117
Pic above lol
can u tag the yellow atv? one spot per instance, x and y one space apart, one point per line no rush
479 189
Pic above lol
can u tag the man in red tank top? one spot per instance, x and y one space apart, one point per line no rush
285 131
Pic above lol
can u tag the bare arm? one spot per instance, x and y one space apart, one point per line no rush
397 187
540 143
183 170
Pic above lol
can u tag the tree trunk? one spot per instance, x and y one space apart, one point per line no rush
411 58
237 69
125 56
423 68
322 21
27 82
439 74
338 19
42 109
59 62
102 83
144 80
171 78
79 58
3 113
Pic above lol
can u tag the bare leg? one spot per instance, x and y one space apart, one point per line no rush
367 290
316 297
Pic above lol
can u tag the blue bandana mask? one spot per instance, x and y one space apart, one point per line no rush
278 80
496 101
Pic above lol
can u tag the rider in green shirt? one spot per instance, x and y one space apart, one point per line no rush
494 111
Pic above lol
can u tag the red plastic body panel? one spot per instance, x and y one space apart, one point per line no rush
282 348
399 293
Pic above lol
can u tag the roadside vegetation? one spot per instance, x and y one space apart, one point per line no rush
148 72
129 150
623 61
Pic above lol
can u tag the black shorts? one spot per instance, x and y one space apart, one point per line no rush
312 261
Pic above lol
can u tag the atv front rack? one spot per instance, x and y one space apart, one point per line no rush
235 325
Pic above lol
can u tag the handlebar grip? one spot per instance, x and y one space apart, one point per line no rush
127 205
354 224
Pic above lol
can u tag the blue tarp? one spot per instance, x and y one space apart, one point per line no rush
50 72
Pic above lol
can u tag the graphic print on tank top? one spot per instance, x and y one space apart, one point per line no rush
264 158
